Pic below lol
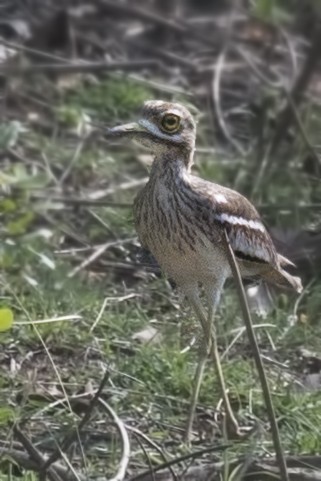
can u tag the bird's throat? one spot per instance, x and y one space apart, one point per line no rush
172 165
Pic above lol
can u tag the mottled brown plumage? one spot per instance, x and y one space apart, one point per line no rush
178 214
181 218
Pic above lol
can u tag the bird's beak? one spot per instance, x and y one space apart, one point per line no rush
126 130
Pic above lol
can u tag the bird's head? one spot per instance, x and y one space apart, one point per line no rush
162 126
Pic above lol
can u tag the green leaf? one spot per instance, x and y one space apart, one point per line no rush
20 225
6 415
7 205
6 319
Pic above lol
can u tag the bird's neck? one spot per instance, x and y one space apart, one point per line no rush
172 165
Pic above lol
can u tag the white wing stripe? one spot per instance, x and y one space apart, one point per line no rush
235 220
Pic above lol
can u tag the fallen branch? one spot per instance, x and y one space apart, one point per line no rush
35 455
24 460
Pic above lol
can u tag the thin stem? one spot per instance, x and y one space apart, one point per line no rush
258 361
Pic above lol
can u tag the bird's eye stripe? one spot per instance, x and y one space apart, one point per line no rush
156 131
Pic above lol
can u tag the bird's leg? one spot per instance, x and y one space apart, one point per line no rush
203 355
198 377
208 347
213 296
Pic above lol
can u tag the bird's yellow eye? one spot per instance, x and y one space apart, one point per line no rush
171 123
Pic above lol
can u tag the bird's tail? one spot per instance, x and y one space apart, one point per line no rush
281 277
291 281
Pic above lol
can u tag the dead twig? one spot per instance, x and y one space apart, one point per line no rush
104 304
258 361
121 472
74 434
298 90
32 51
79 67
127 265
127 10
143 436
266 164
301 129
131 184
36 456
96 254
180 459
291 106
216 88
79 201
169 56
26 462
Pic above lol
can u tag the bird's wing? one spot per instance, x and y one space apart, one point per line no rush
248 237
250 242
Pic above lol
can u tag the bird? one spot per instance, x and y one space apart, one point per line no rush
183 219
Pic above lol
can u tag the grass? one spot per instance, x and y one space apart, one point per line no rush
150 383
